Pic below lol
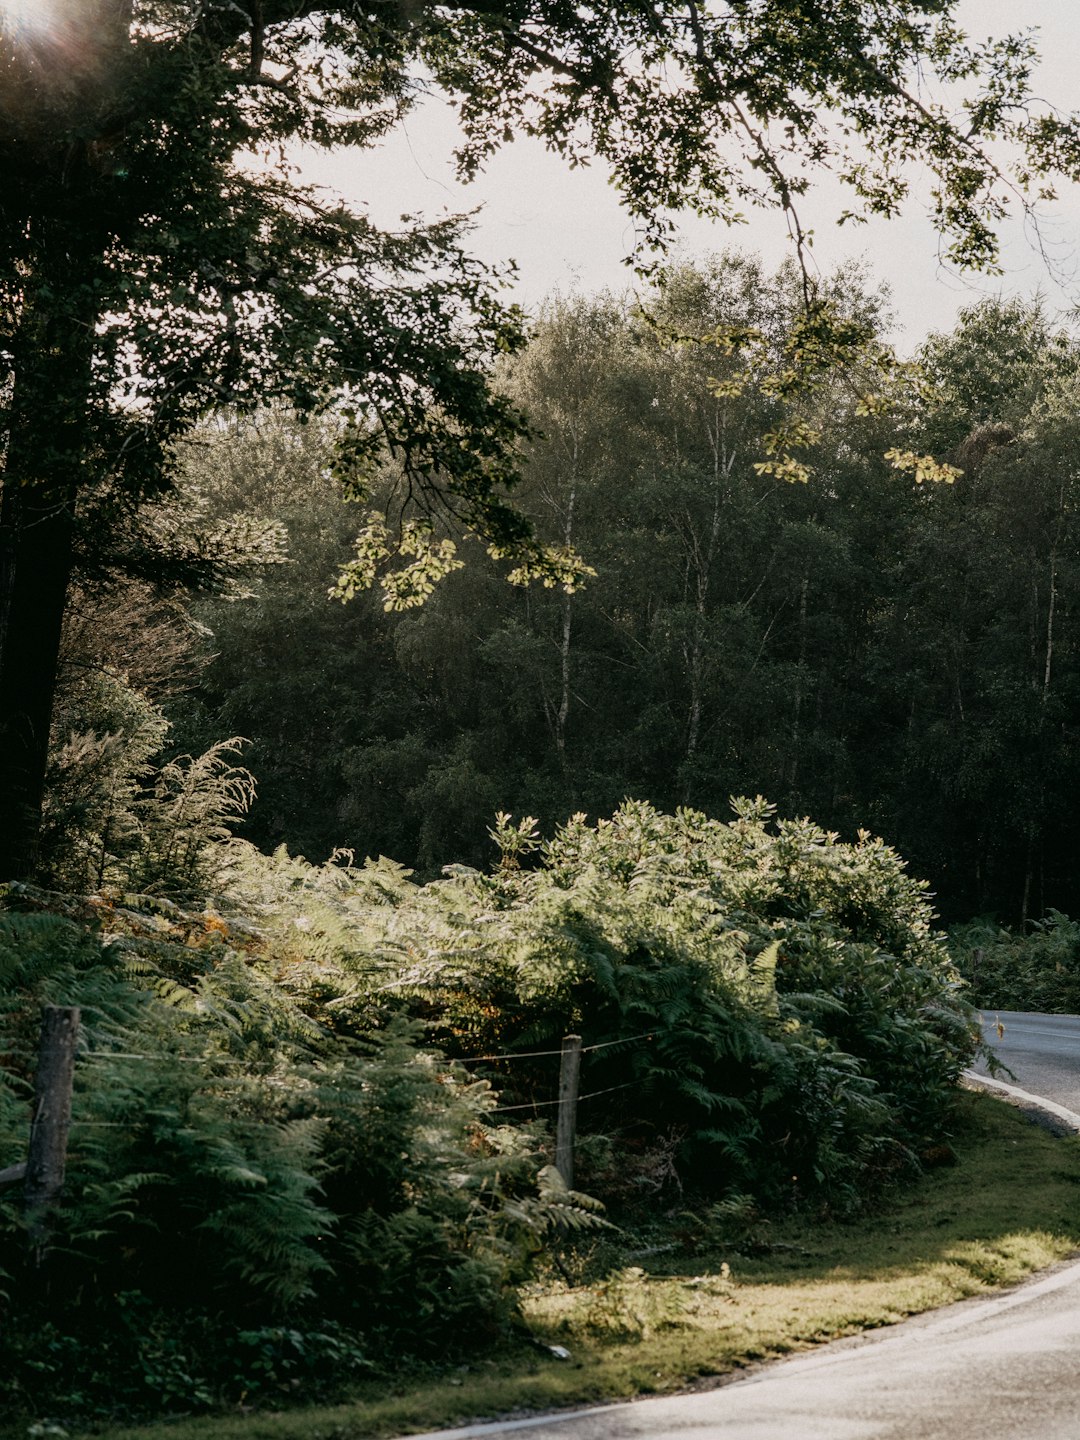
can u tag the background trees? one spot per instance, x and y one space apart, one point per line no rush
160 261
986 643
867 650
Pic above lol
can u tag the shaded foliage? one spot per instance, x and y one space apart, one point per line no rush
775 995
865 649
235 1167
862 649
1005 970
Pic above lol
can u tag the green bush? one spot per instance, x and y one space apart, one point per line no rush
776 998
305 1133
138 1358
120 811
250 1199
1007 971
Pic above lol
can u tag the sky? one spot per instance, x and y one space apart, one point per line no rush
566 232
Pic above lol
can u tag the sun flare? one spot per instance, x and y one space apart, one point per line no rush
26 15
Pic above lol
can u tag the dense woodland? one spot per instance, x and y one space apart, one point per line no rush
312 1113
267 469
861 648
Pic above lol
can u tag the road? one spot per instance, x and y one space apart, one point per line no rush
1004 1366
1043 1052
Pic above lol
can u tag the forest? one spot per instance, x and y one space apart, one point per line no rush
319 1087
395 684
872 652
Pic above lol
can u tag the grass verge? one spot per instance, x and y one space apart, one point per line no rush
1007 1208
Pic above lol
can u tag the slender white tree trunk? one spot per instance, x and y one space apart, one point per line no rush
703 559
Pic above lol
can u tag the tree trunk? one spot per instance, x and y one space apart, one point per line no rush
48 457
1025 902
35 567
563 715
44 468
796 722
703 561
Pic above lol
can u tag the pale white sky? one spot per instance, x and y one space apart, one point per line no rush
565 229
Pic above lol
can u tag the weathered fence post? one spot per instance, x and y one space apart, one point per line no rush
569 1070
51 1116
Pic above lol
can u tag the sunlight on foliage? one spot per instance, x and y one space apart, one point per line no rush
923 467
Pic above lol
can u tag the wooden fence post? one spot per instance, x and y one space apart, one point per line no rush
569 1070
51 1117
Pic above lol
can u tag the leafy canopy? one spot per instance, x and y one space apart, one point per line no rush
148 204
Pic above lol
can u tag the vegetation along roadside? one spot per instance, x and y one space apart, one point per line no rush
311 1154
310 1150
725 1290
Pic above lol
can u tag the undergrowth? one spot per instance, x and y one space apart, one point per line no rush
1006 970
311 1130
661 1309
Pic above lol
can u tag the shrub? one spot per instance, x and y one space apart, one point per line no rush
1006 971
777 995
251 1197
275 1177
121 812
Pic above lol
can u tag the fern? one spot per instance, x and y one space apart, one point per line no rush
265 1127
188 807
780 974
556 1211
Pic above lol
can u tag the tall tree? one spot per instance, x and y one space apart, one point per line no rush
980 657
876 652
151 270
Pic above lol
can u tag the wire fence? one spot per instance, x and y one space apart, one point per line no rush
541 1104
537 1054
570 1052
171 1058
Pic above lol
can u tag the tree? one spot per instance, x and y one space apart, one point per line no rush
873 651
295 673
160 259
978 663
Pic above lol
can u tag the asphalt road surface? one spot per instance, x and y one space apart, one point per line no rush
1006 1367
1042 1051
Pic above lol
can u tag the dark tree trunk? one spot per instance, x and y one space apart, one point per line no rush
35 566
45 466
48 442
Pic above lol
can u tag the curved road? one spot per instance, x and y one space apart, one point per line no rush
1042 1051
1006 1366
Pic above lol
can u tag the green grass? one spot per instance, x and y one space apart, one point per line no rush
1011 1206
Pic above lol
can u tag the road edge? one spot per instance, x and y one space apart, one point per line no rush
912 1330
1038 1108
1042 1111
